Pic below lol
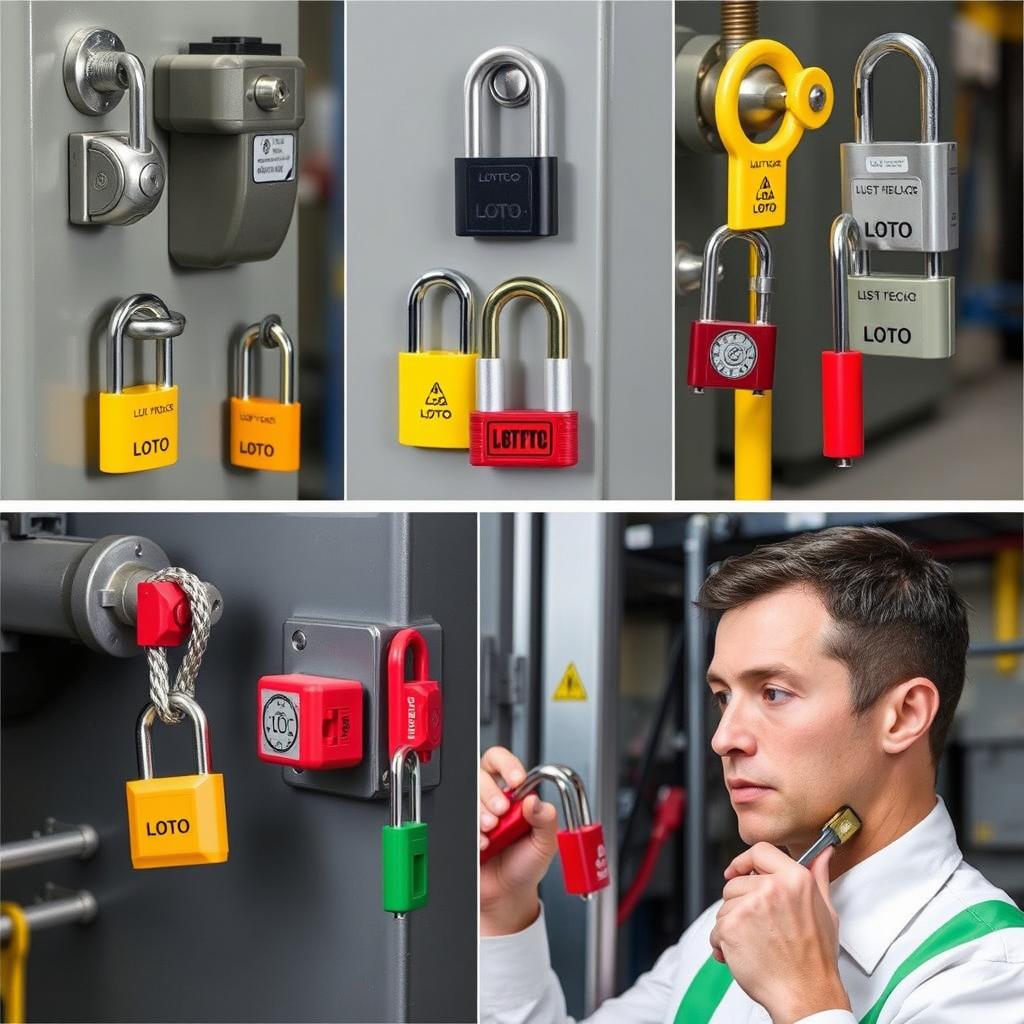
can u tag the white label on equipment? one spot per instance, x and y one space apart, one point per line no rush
273 158
886 164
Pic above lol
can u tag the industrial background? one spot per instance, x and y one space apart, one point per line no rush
612 595
291 927
937 428
60 280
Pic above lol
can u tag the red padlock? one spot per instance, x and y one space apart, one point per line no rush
842 373
414 705
733 353
163 616
309 722
524 438
580 843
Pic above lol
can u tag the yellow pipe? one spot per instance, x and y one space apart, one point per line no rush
1006 585
752 431
13 961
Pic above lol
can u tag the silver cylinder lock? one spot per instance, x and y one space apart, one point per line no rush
113 177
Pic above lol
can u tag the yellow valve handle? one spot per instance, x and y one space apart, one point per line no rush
757 170
13 962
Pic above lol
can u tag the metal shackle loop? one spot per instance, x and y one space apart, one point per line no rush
863 106
575 806
272 335
447 279
117 71
844 245
156 314
761 283
526 288
402 757
200 728
477 76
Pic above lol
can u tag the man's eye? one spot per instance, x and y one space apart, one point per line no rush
721 699
773 695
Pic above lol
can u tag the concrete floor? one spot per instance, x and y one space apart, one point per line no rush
972 450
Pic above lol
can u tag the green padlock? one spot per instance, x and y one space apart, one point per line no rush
403 845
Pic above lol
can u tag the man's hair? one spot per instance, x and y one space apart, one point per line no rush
896 613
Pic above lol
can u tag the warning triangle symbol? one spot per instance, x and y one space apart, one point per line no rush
766 183
435 396
570 687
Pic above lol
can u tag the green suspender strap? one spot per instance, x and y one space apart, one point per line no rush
708 988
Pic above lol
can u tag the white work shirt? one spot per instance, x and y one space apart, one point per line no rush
887 905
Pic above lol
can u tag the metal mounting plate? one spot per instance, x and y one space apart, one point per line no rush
351 650
82 46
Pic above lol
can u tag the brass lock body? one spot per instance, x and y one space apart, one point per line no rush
232 108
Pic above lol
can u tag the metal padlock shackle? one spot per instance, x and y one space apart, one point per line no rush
270 334
448 279
200 726
161 323
398 764
761 283
537 78
490 392
875 51
575 806
844 248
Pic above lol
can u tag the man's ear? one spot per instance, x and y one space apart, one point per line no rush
907 713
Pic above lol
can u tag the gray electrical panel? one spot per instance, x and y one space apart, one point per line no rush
291 927
611 260
60 281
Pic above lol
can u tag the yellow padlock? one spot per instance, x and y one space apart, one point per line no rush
757 170
437 389
139 424
265 431
179 819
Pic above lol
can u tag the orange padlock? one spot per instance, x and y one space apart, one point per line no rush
265 431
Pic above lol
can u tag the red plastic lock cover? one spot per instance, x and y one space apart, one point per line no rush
163 616
415 716
310 721
584 859
524 439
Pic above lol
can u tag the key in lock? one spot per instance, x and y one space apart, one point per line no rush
178 820
435 387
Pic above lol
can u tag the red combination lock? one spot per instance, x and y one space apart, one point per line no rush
732 353
309 722
842 371
523 438
414 705
580 843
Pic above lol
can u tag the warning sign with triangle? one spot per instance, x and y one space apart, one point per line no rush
570 686
765 192
766 183
436 396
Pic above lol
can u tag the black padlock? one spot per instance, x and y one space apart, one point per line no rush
504 195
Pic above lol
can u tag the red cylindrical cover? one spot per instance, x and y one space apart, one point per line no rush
511 826
842 405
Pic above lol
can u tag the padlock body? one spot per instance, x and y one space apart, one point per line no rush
265 434
309 722
404 867
903 195
893 315
436 391
757 192
731 354
177 820
524 439
416 720
584 859
138 428
506 195
511 827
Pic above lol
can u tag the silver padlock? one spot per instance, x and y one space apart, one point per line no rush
902 194
113 177
898 315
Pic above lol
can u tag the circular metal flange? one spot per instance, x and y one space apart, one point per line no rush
92 602
80 50
695 60
509 86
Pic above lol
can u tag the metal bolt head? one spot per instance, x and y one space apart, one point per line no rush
269 92
509 86
151 180
299 640
816 98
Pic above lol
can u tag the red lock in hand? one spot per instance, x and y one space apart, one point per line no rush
309 722
732 353
414 705
580 843
163 617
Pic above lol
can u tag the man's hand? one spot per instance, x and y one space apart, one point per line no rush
508 882
779 934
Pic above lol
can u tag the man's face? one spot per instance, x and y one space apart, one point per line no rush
787 724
